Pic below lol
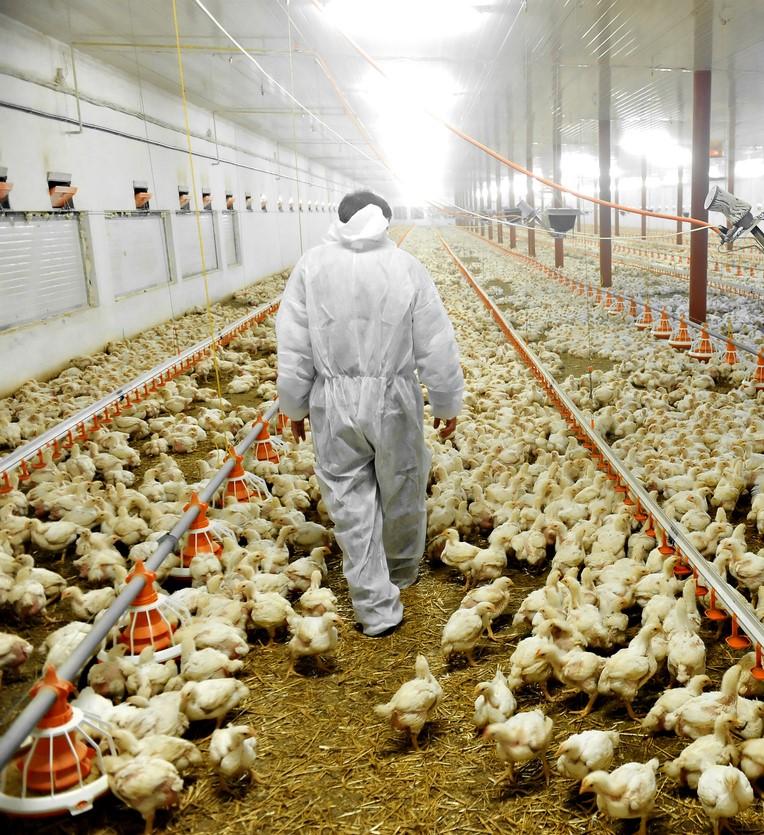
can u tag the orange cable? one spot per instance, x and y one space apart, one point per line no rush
510 163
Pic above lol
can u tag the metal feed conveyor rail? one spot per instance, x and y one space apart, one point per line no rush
76 428
674 539
28 719
589 288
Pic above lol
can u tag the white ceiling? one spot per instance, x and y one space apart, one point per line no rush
501 73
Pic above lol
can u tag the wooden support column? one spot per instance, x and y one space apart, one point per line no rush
643 218
510 172
616 213
679 204
701 136
488 201
499 209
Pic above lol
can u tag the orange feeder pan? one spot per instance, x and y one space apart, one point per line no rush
199 539
713 612
646 320
737 640
55 768
758 377
704 350
147 625
681 340
282 422
730 354
241 485
758 670
663 329
264 450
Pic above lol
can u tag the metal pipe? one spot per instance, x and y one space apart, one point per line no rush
605 243
76 93
28 719
732 600
29 449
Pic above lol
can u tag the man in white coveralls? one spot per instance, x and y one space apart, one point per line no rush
359 320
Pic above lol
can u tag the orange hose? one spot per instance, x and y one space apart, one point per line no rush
510 163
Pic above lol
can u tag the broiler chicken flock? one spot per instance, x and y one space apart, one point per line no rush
608 619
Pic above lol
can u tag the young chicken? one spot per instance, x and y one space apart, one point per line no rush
86 605
457 554
414 702
496 593
626 671
671 700
752 759
311 636
577 668
627 792
182 753
464 629
233 751
714 749
724 791
495 702
522 738
300 572
316 600
207 663
14 651
213 699
144 783
269 611
588 751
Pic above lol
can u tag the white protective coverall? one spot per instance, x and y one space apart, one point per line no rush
358 318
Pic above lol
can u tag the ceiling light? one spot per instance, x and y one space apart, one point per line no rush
413 20
750 168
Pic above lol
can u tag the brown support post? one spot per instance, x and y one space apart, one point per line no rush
679 204
606 244
499 211
616 215
701 136
488 196
559 252
643 218
511 173
529 150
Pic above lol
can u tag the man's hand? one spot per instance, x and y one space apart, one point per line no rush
449 427
298 430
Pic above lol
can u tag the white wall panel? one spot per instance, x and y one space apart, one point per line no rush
138 252
229 233
41 269
188 239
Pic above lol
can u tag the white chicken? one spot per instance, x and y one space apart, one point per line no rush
315 637
627 792
464 629
588 751
495 702
233 751
724 791
522 738
414 702
213 699
317 600
144 783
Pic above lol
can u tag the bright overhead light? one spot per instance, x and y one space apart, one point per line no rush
404 19
657 146
750 167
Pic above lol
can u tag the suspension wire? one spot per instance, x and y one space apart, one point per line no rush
173 314
294 128
197 214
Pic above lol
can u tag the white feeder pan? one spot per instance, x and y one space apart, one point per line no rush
75 800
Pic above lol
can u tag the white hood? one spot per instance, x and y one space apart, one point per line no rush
365 230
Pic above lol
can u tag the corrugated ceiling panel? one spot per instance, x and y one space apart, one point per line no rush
41 269
138 252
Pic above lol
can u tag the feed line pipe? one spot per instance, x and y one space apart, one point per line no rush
60 430
486 149
748 349
28 719
734 602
